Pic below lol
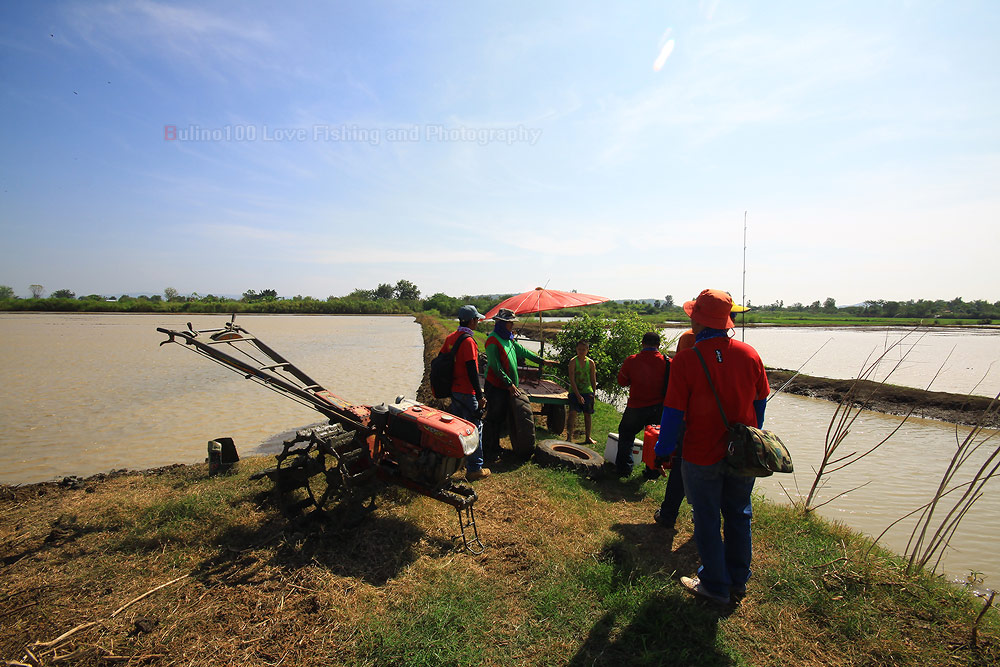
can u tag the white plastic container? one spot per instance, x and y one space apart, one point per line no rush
611 449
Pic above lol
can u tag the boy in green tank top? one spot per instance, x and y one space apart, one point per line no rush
582 382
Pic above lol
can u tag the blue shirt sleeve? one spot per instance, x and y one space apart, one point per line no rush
670 429
758 407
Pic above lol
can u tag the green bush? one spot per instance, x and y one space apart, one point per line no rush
611 340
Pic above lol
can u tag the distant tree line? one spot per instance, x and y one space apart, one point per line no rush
386 298
957 308
404 296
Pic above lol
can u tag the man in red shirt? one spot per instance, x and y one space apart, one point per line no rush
645 374
467 399
738 376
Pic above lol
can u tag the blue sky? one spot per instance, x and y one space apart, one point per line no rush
473 148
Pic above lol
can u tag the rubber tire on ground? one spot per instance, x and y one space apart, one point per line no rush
521 422
555 417
583 460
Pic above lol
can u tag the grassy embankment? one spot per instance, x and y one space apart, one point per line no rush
574 573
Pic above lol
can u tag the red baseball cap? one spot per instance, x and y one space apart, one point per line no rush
712 308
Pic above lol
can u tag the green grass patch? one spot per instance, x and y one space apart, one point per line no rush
193 509
443 622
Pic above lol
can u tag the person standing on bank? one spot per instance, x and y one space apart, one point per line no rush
712 489
467 399
645 374
503 354
582 373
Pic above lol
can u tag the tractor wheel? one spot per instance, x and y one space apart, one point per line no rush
521 421
583 460
327 472
555 418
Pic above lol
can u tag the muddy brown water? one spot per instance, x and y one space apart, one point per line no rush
87 393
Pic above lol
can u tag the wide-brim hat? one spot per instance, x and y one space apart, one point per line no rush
712 309
505 315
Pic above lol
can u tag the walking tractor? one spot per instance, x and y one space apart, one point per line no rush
333 470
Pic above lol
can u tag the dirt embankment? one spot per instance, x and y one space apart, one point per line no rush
893 399
434 333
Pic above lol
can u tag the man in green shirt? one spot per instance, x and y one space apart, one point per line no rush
503 354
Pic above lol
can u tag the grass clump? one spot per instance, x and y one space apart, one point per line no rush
443 621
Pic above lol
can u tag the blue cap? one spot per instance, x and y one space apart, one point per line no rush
469 312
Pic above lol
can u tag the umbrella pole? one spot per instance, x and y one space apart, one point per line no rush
541 337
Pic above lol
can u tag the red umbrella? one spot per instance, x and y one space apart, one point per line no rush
541 299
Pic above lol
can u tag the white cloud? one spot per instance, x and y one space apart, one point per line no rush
217 46
724 82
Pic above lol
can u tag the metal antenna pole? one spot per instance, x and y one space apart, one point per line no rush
743 315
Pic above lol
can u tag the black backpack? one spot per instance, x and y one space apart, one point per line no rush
443 369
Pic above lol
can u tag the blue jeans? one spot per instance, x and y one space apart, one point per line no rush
713 490
467 407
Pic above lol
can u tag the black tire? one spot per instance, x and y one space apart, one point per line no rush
583 460
521 421
555 418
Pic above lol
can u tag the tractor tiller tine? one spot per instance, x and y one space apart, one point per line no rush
475 546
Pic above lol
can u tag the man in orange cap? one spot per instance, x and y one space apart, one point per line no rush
712 489
686 341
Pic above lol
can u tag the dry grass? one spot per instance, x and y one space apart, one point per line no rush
257 591
574 573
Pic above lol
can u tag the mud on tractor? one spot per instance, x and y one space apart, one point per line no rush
333 471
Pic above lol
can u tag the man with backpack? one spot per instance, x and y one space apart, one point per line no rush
467 399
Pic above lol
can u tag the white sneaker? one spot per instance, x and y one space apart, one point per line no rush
693 585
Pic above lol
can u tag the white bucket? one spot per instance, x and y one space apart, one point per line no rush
611 449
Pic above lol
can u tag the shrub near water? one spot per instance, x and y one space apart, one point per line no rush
611 340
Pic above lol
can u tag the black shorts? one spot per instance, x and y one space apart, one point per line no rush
587 407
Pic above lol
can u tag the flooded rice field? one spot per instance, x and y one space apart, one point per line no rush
87 393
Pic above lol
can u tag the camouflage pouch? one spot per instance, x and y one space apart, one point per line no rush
754 452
